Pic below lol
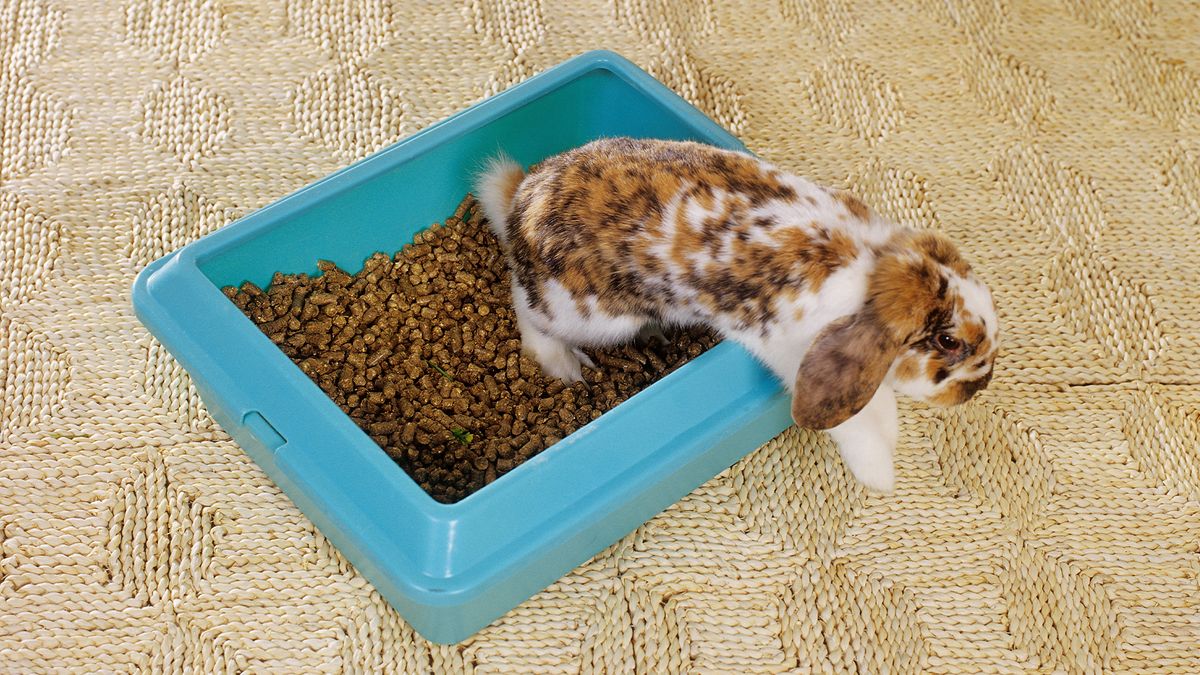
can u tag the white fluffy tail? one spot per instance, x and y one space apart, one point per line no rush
495 186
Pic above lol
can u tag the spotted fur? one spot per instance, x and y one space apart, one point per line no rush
621 234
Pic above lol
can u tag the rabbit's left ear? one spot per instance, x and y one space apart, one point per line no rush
842 369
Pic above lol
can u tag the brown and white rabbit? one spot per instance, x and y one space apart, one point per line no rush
619 237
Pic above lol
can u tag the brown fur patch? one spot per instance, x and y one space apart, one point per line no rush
815 256
904 293
975 334
909 368
947 397
842 246
970 388
942 251
853 205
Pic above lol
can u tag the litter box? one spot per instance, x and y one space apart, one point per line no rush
451 569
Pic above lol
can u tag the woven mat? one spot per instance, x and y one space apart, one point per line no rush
1053 524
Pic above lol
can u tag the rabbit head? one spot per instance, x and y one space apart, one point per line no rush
927 328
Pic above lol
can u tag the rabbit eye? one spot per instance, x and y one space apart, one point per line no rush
947 343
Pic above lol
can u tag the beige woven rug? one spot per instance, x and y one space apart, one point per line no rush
1051 525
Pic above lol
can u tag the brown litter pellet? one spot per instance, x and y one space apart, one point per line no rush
422 352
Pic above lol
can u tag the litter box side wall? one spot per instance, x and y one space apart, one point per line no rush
675 454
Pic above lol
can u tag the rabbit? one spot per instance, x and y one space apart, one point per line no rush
620 237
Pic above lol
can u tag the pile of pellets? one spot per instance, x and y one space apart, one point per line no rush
423 353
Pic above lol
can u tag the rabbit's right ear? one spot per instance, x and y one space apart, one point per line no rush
842 369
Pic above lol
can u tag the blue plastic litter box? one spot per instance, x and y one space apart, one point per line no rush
450 569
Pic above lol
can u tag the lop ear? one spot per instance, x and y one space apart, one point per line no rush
842 369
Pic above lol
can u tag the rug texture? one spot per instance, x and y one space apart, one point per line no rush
1053 524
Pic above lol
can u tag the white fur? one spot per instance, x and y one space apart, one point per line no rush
557 357
867 441
597 329
553 337
492 186
921 389
978 301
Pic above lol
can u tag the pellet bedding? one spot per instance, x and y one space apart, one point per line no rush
421 350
